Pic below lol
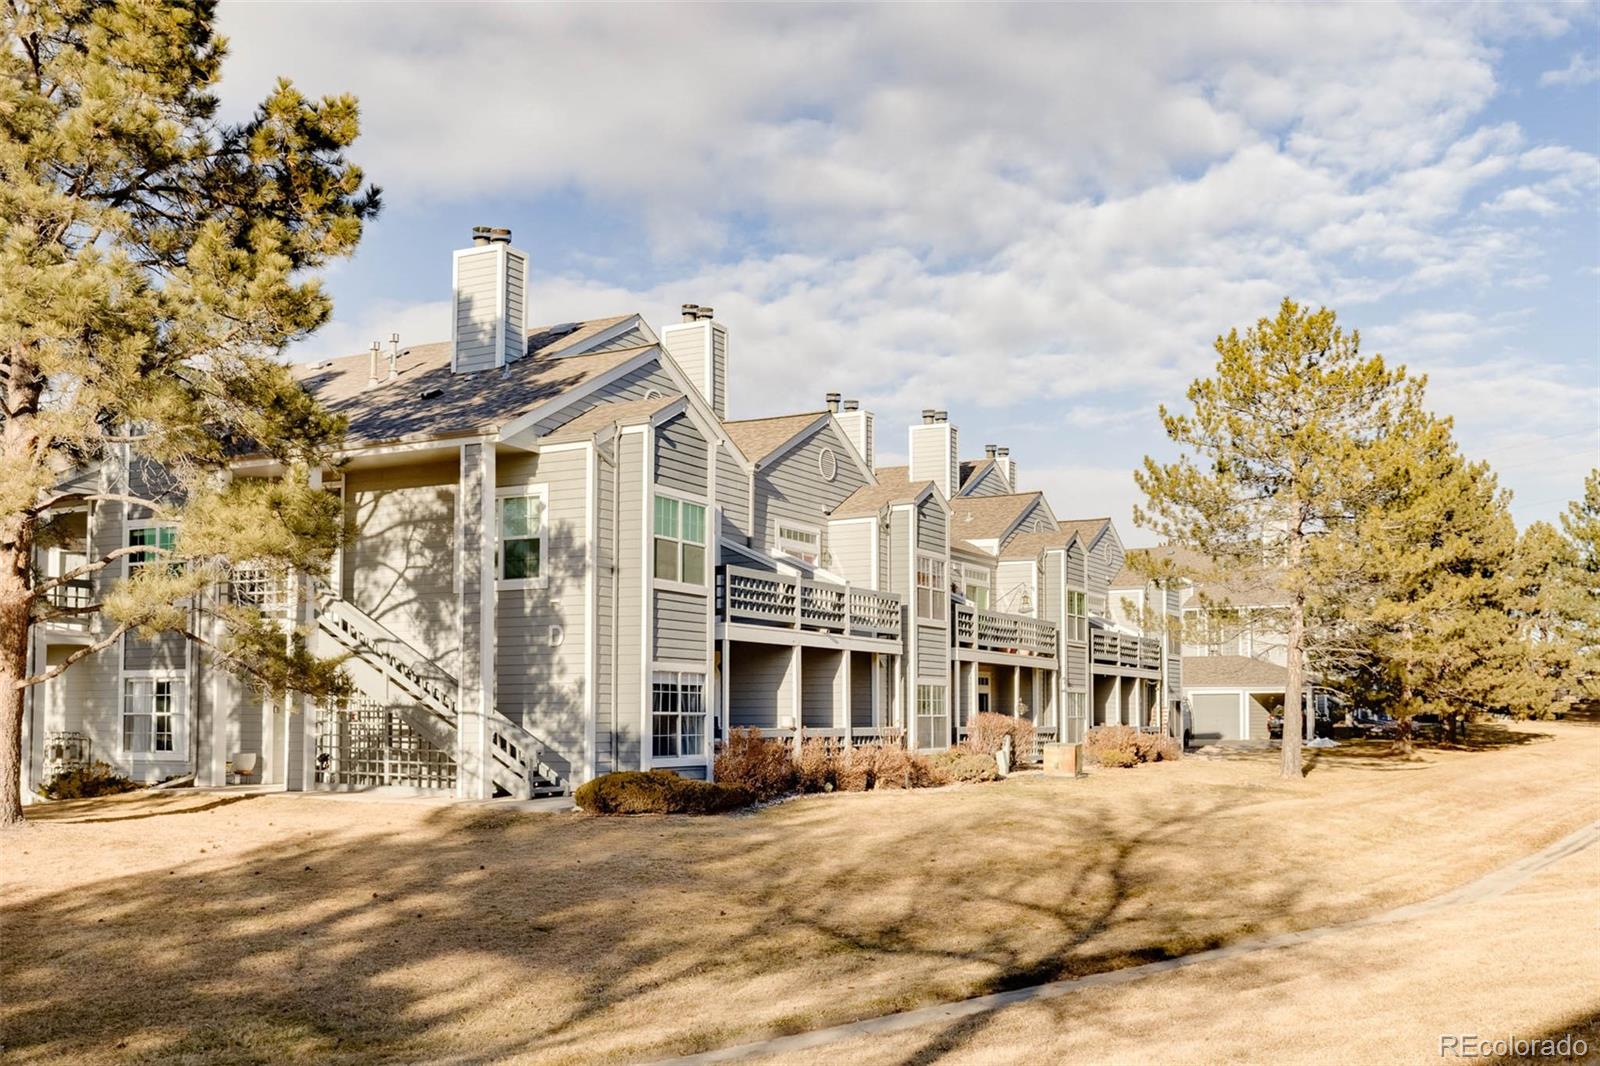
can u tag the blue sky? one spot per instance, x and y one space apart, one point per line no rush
1036 218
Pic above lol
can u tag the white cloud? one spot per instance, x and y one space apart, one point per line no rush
1582 70
931 207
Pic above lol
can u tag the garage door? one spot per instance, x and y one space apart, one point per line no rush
1213 716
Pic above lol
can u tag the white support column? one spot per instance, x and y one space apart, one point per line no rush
796 694
846 715
724 697
476 559
1016 690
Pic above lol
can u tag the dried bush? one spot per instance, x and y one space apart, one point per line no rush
658 792
960 765
855 768
761 767
820 765
987 732
96 779
1123 745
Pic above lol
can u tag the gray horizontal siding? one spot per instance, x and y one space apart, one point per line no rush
541 633
633 385
819 678
933 653
758 691
680 626
733 496
931 525
792 488
681 458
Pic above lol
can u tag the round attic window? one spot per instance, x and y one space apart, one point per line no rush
828 464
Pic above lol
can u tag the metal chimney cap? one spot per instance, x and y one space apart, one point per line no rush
942 416
989 451
927 415
500 234
852 405
833 402
690 312
480 234
1002 452
704 312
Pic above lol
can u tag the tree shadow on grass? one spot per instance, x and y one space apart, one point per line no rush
564 937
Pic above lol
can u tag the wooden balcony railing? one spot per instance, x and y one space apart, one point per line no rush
762 597
1119 649
1013 634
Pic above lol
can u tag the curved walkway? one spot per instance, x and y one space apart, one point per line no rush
1489 886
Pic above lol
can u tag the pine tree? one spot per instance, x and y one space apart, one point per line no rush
1559 585
153 264
1442 626
1282 444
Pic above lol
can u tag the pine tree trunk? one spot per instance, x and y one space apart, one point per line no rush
1293 689
13 668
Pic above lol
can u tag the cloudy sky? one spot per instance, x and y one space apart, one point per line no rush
1037 218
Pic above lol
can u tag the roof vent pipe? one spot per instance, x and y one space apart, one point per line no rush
372 363
927 415
394 354
833 403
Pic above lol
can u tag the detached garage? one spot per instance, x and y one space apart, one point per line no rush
1230 696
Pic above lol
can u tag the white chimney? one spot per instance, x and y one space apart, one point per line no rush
699 345
857 425
1008 467
489 282
933 452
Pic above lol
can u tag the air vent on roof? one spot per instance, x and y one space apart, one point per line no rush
430 393
564 329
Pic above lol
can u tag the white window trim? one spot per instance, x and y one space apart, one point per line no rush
704 587
542 492
130 526
678 672
940 588
798 527
180 715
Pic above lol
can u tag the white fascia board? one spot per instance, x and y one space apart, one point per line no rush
794 442
608 334
527 419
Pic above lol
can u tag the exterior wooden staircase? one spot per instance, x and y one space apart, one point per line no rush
380 664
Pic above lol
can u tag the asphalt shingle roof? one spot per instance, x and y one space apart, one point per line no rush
987 517
758 438
893 487
1226 671
395 408
601 416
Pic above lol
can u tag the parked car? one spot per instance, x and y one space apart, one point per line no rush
1374 723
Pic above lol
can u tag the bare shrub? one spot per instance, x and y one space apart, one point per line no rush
658 792
987 732
819 766
760 766
1123 745
960 765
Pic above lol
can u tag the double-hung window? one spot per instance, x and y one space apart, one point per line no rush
152 715
1077 617
932 593
798 542
680 548
160 539
520 524
933 727
677 715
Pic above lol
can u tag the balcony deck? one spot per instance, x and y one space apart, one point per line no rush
1125 653
762 600
995 637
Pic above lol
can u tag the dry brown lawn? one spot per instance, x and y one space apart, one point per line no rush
196 929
